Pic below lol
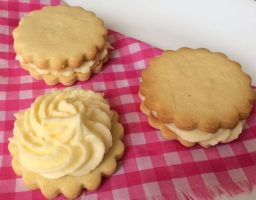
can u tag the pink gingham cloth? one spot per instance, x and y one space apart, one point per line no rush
152 168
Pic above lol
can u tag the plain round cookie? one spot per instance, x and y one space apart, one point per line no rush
197 88
59 36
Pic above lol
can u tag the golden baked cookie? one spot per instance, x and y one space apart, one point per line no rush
61 44
196 96
66 141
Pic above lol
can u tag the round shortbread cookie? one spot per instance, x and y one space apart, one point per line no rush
197 89
57 37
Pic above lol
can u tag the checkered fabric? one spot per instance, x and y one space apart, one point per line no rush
152 168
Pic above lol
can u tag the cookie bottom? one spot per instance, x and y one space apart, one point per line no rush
71 186
166 133
65 80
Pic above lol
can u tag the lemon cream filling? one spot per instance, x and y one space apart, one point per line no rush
68 71
66 132
204 138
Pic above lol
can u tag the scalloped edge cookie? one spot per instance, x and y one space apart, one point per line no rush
59 38
32 48
159 83
71 186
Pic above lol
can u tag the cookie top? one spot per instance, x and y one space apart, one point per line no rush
59 36
197 88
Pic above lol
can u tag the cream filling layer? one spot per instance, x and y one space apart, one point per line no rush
66 132
204 138
68 71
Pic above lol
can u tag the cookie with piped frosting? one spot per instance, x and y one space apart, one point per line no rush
66 141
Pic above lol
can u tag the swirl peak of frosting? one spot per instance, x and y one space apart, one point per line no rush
65 132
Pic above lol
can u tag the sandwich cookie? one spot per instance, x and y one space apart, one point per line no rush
196 96
61 44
